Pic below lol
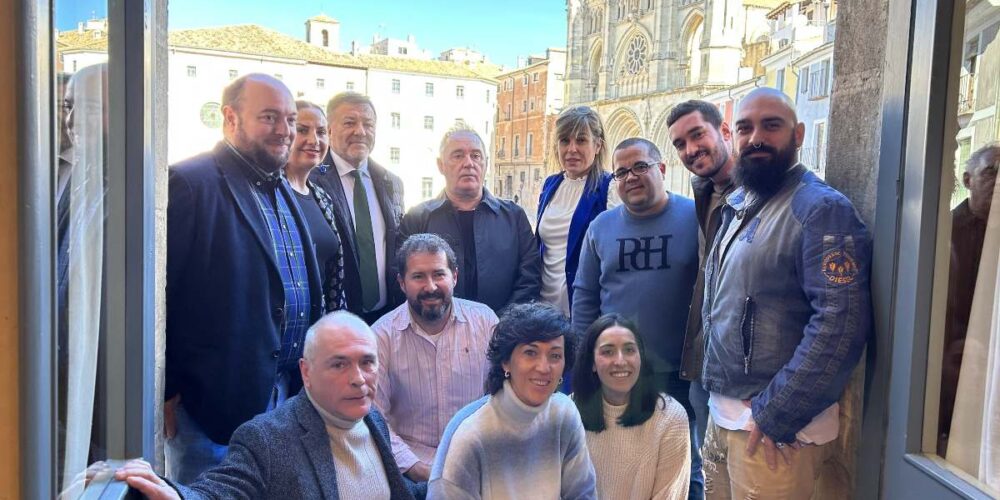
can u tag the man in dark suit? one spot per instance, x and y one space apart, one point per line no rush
369 201
328 442
242 280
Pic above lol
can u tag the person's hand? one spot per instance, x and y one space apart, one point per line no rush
139 475
420 472
771 449
170 416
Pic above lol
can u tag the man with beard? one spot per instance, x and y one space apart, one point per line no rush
787 312
368 201
242 280
704 144
432 353
640 260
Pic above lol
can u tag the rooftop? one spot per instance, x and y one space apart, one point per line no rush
255 40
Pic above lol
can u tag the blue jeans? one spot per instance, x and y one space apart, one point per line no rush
190 452
681 391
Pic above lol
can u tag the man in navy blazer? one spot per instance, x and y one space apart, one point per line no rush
368 213
243 284
328 442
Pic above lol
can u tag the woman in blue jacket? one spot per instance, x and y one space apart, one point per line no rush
570 200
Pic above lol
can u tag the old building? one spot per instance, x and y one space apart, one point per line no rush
416 98
633 60
528 100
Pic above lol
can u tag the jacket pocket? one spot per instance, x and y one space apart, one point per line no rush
747 333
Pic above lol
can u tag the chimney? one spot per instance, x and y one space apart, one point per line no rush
79 27
354 47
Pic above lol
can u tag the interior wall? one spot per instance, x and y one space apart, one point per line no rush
9 435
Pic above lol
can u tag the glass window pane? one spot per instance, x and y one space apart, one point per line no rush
80 114
966 409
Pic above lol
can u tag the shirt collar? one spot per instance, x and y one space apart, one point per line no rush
344 168
254 172
488 200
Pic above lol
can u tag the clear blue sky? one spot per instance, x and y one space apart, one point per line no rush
502 30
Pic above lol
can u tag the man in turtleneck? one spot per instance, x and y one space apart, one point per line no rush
329 441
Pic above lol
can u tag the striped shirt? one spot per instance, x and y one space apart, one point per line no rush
424 380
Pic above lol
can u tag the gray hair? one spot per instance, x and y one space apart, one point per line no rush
349 98
460 128
982 156
651 149
336 319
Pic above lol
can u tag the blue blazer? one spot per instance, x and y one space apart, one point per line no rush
286 454
225 300
592 203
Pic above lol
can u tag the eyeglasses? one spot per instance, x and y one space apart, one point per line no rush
638 169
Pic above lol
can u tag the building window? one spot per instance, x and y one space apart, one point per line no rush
429 89
395 86
395 120
517 146
279 76
503 147
559 76
427 187
635 57
509 110
401 51
531 105
538 174
524 176
320 83
429 122
524 106
394 156
534 77
326 38
528 145
460 92
192 71
233 74
779 81
349 86
487 95
819 80
524 79
459 123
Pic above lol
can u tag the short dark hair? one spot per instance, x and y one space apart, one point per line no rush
709 111
349 98
524 324
651 149
424 243
587 393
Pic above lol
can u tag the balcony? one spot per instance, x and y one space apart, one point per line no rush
967 93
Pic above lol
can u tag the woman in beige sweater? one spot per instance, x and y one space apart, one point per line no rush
638 439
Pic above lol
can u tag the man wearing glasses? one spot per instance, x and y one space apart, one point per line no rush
640 259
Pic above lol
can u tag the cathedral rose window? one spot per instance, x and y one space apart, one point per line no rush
635 56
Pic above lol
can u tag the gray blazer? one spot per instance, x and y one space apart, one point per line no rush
285 454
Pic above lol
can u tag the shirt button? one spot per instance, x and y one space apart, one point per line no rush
291 254
302 314
295 344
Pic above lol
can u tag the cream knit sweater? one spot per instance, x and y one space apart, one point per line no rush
652 460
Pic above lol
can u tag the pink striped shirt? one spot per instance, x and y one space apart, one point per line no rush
424 380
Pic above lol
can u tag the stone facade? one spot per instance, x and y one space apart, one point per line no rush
528 101
633 60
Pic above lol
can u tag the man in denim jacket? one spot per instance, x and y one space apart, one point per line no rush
786 315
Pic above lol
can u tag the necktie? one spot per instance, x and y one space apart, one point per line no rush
366 244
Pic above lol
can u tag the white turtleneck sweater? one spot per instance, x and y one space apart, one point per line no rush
500 448
360 472
652 460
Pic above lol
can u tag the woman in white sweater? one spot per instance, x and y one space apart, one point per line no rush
638 439
521 440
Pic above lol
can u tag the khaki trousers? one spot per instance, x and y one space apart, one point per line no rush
731 474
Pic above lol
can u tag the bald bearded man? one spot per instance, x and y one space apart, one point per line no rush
786 314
